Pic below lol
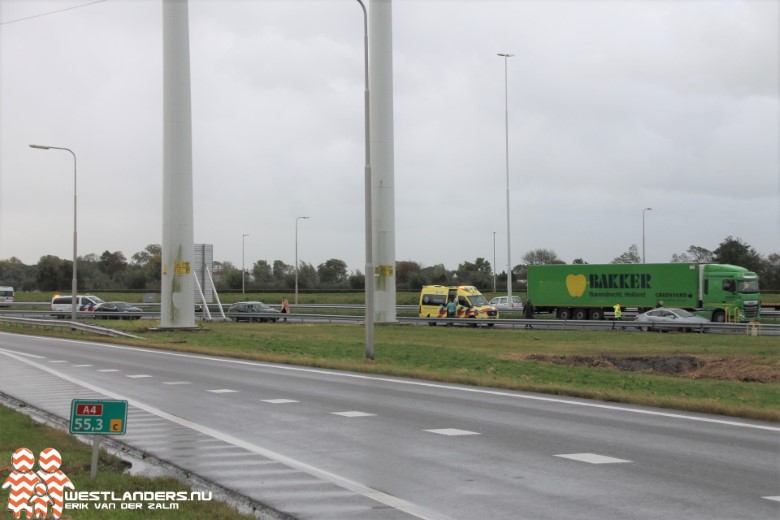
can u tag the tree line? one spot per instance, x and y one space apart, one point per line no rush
112 271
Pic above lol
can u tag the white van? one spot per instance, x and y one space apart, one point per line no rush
6 296
63 304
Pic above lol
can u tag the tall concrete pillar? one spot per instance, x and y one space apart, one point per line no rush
177 298
383 200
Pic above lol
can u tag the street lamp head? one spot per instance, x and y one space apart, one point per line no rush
505 55
648 209
40 147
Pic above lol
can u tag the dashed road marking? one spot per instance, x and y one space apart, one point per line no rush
592 458
176 383
80 366
280 401
776 499
222 391
354 414
109 370
452 432
425 384
356 487
138 376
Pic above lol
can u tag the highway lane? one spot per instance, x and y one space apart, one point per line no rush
328 444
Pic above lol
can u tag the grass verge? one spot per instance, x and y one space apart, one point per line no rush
725 374
19 430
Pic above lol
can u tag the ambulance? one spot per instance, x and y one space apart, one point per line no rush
471 304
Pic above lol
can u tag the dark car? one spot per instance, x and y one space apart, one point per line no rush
252 311
118 310
670 319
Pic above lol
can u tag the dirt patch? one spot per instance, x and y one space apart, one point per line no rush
729 369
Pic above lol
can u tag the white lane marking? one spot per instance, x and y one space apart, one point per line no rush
424 384
37 357
138 376
80 366
58 361
222 391
360 489
354 414
109 370
280 401
452 432
176 383
776 499
592 458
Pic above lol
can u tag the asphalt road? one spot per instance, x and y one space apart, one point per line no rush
324 444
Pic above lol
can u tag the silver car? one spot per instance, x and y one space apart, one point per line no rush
501 303
670 319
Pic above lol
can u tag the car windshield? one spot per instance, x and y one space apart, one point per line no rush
747 286
683 313
477 300
121 305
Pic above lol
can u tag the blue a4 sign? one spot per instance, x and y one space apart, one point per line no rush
98 417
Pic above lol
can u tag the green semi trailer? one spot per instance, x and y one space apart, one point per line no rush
588 291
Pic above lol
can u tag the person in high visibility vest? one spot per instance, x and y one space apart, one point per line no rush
618 311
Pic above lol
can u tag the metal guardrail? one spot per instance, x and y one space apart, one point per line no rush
73 325
543 324
752 328
768 312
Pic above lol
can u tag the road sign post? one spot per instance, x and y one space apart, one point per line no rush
97 417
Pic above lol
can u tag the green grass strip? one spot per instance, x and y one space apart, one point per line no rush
20 431
740 374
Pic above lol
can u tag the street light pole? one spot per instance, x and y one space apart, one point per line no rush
243 269
506 128
494 261
643 233
74 303
296 257
369 218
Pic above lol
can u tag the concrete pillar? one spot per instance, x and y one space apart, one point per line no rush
381 80
178 285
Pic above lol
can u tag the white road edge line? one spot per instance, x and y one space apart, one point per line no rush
355 487
414 383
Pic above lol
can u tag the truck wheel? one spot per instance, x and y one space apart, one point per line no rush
718 316
564 314
596 314
580 314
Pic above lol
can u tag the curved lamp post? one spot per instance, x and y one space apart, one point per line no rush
643 232
506 128
296 257
243 269
73 308
494 261
369 218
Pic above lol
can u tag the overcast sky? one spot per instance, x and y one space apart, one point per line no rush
614 106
